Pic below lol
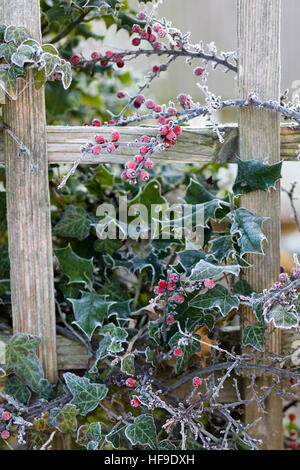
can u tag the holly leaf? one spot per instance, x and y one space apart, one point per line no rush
188 259
16 34
254 174
22 359
77 269
86 395
189 347
219 298
17 390
142 431
282 316
205 270
196 193
64 419
90 311
248 227
74 223
89 435
254 336
222 248
127 364
150 197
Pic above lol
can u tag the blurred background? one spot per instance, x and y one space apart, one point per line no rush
217 21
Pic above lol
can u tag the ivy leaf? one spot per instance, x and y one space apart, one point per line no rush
217 297
202 318
50 49
189 347
9 85
86 395
77 269
22 359
45 390
64 419
89 435
254 336
51 62
2 31
254 174
249 229
188 259
127 364
17 34
22 55
284 317
74 223
17 390
64 68
90 311
114 438
39 78
142 431
151 356
7 50
166 445
221 248
154 331
205 270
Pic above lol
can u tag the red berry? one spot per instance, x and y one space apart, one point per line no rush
121 94
171 286
131 174
130 382
136 104
75 59
198 71
298 272
86 124
144 175
197 381
96 150
111 148
6 416
57 76
152 37
292 417
178 352
140 99
283 277
162 33
131 165
173 277
178 298
164 130
142 16
124 175
158 109
136 28
294 445
150 104
143 150
145 139
162 120
293 381
145 35
293 433
182 98
157 45
135 402
149 164
177 130
136 41
5 434
156 68
111 123
99 139
171 135
96 123
120 64
159 290
109 54
170 320
103 63
209 283
172 111
156 27
162 284
138 158
95 55
115 135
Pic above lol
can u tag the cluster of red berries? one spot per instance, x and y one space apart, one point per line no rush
103 143
109 56
135 168
5 417
151 35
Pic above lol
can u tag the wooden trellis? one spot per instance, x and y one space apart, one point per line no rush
258 136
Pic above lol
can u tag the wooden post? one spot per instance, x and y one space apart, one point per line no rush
28 206
259 70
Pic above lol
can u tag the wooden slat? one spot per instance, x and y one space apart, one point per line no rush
259 131
28 204
195 145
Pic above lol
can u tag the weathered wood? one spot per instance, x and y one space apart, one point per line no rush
259 70
28 207
195 145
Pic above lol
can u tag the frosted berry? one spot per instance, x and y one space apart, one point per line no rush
152 38
6 416
170 320
99 139
135 402
124 176
159 290
143 150
172 111
171 135
157 45
103 63
149 164
158 109
283 277
293 381
145 35
136 28
115 135
121 94
111 122
197 381
5 434
150 104
57 76
96 123
111 148
131 165
96 150
120 64
298 272
162 284
198 71
162 120
171 286
142 16
293 433
136 42
145 139
95 55
164 130
130 382
156 27
138 158
131 174
177 130
75 59
136 104
144 175
294 445
109 54
162 33
178 298
178 352
173 277
156 68
209 283
140 99
292 417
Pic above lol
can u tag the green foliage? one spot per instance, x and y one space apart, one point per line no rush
253 175
142 431
86 395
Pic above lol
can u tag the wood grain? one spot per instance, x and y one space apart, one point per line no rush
259 139
28 207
